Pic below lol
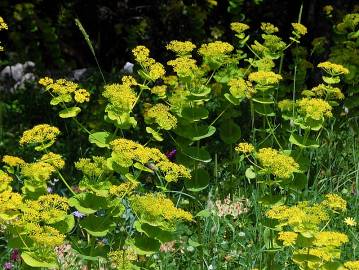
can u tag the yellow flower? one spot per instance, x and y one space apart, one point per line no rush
40 171
350 221
10 203
269 28
160 114
122 258
334 239
278 164
184 66
240 88
299 28
155 208
314 108
5 181
141 54
335 202
159 90
288 238
245 148
173 171
215 49
93 168
47 236
46 81
286 105
81 96
333 69
181 47
329 91
123 189
328 9
239 27
121 96
42 134
352 265
12 161
3 25
265 77
156 71
53 159
128 80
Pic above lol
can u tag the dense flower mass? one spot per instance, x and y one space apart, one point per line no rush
265 77
245 148
299 28
81 96
53 159
121 96
214 49
335 239
161 115
269 28
352 265
278 164
122 259
333 69
184 66
288 238
335 202
12 161
314 108
40 170
181 47
3 25
239 27
41 134
92 168
240 88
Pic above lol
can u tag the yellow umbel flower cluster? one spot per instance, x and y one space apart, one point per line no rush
12 161
215 49
184 66
240 88
334 239
93 168
121 96
352 265
238 27
5 181
286 105
280 165
53 159
81 96
299 28
265 77
123 189
46 236
333 69
10 202
159 90
335 202
154 69
3 25
314 108
244 148
40 170
327 91
42 134
155 207
181 47
269 28
122 258
127 151
288 238
161 115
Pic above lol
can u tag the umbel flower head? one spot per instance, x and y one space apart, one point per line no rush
333 69
240 88
335 202
314 108
269 28
161 115
352 265
53 159
265 78
184 66
288 238
276 163
3 25
42 135
181 47
238 27
215 49
244 148
299 29
12 161
156 209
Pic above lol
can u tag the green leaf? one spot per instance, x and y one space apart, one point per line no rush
204 213
229 132
142 167
31 259
264 109
199 180
195 113
154 232
156 135
66 225
195 153
98 226
250 174
270 200
62 98
331 80
200 91
263 100
145 245
304 258
232 99
101 139
193 243
69 112
301 142
195 133
88 203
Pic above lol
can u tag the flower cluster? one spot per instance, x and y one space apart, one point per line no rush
279 164
161 115
269 28
41 135
39 171
3 25
239 27
335 202
288 238
94 168
184 66
153 69
53 159
156 209
12 161
244 148
181 47
240 88
299 29
123 189
327 91
121 96
159 90
215 49
227 207
265 78
314 108
352 265
333 69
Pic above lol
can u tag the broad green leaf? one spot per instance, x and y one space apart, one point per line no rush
66 225
98 226
195 153
331 80
263 100
250 174
156 135
88 203
193 243
199 180
204 213
142 167
69 112
154 232
32 260
195 113
302 142
62 98
229 132
195 133
232 99
264 109
101 139
145 245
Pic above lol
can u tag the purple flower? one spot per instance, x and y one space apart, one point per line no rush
7 266
49 190
171 154
78 214
15 255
